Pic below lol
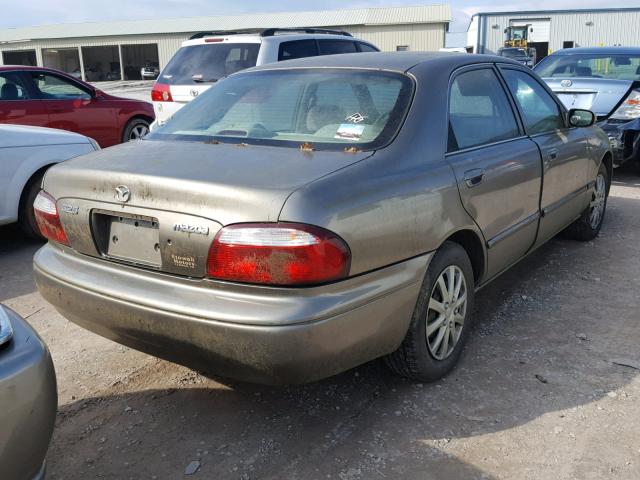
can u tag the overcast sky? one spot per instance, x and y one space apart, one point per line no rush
38 12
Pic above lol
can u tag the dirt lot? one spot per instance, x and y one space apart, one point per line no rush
536 396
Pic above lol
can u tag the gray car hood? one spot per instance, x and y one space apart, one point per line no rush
223 182
599 95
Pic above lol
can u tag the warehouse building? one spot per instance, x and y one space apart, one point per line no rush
551 30
118 50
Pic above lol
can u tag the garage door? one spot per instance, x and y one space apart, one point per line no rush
539 30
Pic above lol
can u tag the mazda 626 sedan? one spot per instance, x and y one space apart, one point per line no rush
301 218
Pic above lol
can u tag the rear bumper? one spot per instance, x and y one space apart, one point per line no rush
28 403
165 110
257 334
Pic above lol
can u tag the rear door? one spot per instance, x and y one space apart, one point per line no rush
563 149
498 169
71 106
17 104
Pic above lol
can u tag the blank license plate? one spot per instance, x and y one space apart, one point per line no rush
132 239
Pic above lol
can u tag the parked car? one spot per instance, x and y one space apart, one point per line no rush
209 56
150 71
518 54
44 97
25 154
605 80
28 399
304 217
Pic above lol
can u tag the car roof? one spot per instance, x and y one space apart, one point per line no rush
392 61
281 37
599 50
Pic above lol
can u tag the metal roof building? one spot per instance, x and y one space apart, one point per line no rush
114 50
551 30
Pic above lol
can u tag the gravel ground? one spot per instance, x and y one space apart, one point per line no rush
537 394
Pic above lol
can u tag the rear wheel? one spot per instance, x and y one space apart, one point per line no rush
26 215
441 320
588 226
135 129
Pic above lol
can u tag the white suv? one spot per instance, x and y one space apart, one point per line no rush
210 56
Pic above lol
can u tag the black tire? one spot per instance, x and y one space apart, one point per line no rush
584 229
135 129
414 359
26 216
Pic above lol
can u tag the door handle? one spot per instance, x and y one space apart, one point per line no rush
474 177
552 153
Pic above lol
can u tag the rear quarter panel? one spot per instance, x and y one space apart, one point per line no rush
17 166
127 109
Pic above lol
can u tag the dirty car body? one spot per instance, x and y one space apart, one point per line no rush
28 399
284 225
605 80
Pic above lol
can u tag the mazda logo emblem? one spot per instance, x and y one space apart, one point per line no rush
566 83
123 194
194 92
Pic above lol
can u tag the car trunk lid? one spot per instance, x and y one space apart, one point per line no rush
159 204
599 95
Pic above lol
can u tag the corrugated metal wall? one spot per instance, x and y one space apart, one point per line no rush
418 37
590 29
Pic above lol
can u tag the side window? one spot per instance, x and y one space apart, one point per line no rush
479 111
333 47
297 49
365 47
540 113
12 87
58 88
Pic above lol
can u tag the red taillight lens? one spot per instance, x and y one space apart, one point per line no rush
46 212
278 254
161 93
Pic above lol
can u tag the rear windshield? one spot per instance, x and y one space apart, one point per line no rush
621 67
328 109
209 62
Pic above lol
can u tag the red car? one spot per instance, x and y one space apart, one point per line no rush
46 97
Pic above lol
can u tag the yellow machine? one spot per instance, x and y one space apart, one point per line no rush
517 36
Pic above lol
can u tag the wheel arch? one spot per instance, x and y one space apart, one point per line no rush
471 242
137 116
27 184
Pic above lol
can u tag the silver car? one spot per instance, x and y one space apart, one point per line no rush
606 81
301 218
28 399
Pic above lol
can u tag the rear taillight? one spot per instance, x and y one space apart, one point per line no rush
161 92
48 219
283 254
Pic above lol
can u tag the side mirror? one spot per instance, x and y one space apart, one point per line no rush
95 93
581 118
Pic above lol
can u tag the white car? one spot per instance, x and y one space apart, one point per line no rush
209 56
25 154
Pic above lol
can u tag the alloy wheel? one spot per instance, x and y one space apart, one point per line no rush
138 132
598 201
446 312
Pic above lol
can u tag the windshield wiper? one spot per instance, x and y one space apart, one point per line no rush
197 77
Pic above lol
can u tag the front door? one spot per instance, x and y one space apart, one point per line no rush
16 104
73 107
564 152
497 168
